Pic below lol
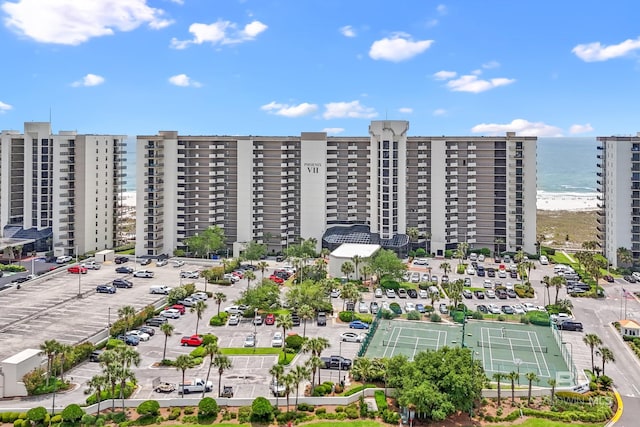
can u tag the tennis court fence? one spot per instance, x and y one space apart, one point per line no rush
503 346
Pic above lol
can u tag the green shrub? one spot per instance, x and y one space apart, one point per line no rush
208 407
413 315
390 417
37 414
17 423
387 314
320 411
88 420
346 316
218 320
175 413
56 419
198 352
188 410
209 339
395 307
381 400
149 407
306 407
390 284
72 413
294 342
435 317
244 414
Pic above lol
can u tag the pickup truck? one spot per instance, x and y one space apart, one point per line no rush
91 265
195 386
336 362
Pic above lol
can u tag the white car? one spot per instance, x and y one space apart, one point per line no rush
335 293
487 284
391 293
424 277
234 319
277 340
518 309
362 307
63 259
406 276
385 305
509 285
161 263
490 293
420 261
202 296
189 274
351 337
231 277
250 341
494 309
529 307
481 258
188 302
544 260
143 336
378 293
178 264
409 307
502 274
232 309
415 277
471 271
143 273
422 293
171 313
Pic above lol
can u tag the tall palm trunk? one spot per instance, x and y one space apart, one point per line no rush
207 380
219 381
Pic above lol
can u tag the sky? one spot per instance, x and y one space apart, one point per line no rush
280 67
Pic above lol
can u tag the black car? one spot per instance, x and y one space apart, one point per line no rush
609 278
412 293
105 289
145 261
630 279
95 355
507 309
147 330
322 319
491 272
122 283
483 309
570 325
479 294
156 321
513 274
121 259
125 270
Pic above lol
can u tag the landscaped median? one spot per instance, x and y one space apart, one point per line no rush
283 357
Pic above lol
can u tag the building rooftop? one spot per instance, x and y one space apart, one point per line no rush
22 356
349 250
629 324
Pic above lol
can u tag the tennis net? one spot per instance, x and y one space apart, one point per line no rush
497 345
418 343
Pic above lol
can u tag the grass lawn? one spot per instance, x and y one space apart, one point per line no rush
250 351
538 422
531 422
560 258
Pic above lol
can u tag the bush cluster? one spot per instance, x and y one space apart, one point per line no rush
435 317
414 315
219 320
149 407
208 407
294 342
322 389
175 413
381 400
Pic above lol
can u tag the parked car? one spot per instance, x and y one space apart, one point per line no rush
129 339
147 330
234 319
170 313
511 293
180 307
258 320
188 302
467 294
156 321
250 341
420 261
483 309
189 274
321 320
518 309
143 336
507 309
443 308
64 259
162 262
378 293
490 293
121 259
192 341
358 324
422 293
402 293
609 278
544 260
77 269
412 293
122 283
95 355
277 339
178 263
124 269
351 337
409 307
494 309
91 265
571 325
478 294
374 307
420 308
105 289
391 293
362 307
630 279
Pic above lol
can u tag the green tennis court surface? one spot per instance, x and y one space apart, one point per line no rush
502 347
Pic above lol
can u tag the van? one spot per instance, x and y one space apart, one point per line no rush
164 290
571 325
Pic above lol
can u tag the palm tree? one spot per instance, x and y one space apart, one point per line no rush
558 282
461 251
531 377
111 370
64 350
592 341
546 281
285 322
446 267
513 376
167 329
366 271
606 355
552 382
182 363
127 357
305 312
50 348
499 241
288 382
590 245
199 309
364 370
219 298
222 362
434 296
314 364
347 268
96 384
350 292
413 234
356 260
276 372
212 351
300 373
127 313
519 256
249 276
455 291
498 376
262 266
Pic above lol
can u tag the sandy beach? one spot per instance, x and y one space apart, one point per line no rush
567 201
129 199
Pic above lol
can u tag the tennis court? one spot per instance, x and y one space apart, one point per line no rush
502 347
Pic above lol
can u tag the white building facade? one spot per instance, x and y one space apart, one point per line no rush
618 180
275 190
62 190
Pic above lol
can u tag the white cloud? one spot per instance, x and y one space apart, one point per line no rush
594 52
180 2
476 72
405 110
491 64
351 110
286 110
439 112
348 31
471 83
444 75
220 32
442 9
574 129
5 107
184 81
431 23
72 22
89 80
520 126
333 131
399 47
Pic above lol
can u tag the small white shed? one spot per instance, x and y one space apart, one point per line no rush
107 255
346 252
14 368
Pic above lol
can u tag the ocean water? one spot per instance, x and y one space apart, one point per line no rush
565 165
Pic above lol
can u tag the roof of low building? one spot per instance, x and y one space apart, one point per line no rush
22 356
349 250
629 324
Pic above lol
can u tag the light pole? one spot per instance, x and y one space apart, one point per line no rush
518 362
109 316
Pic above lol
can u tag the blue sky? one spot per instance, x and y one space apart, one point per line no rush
281 67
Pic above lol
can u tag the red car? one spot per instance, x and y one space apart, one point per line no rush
270 319
238 274
276 279
76 269
192 341
181 308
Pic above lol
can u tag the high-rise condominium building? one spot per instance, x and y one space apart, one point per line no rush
619 200
371 189
61 191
